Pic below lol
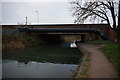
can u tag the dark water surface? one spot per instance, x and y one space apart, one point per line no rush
45 61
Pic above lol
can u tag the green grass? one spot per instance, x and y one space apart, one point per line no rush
99 42
112 53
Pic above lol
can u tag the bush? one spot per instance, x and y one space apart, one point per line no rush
19 41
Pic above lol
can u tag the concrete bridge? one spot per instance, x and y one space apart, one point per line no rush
90 30
61 31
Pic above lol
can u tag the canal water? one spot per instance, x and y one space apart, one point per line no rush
45 61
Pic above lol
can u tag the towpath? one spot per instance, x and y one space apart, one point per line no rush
99 67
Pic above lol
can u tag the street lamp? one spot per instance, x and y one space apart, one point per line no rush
37 17
26 20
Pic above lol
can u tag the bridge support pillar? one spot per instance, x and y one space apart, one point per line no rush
82 37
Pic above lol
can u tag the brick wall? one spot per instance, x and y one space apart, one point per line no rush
112 35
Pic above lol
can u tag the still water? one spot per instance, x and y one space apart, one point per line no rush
45 61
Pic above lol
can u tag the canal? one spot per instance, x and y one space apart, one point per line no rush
44 61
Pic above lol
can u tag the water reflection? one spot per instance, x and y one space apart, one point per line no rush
45 61
37 70
45 53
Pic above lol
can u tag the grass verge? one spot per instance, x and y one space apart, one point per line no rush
82 69
111 51
99 42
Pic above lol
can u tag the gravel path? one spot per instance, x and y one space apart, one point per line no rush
100 67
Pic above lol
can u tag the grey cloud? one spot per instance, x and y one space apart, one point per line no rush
49 12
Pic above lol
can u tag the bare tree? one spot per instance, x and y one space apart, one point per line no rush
119 16
107 10
118 33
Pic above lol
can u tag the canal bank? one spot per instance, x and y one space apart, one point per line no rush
98 65
82 69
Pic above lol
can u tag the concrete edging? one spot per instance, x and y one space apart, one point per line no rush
82 69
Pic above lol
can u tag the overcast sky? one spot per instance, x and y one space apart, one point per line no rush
52 11
49 11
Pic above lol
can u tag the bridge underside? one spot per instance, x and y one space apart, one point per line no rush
64 31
